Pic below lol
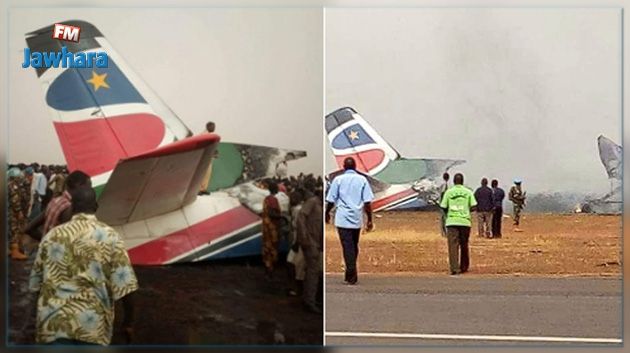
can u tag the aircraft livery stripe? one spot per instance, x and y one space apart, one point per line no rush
182 241
96 145
380 203
223 243
367 161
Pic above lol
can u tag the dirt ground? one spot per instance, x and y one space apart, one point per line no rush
206 303
550 244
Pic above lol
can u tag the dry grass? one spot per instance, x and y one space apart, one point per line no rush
551 244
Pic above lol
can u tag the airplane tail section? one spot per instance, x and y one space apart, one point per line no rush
351 136
101 115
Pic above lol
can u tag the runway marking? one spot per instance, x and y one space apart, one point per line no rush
474 337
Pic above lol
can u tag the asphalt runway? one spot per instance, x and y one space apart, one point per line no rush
473 310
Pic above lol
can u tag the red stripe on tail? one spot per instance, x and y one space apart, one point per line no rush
96 145
366 160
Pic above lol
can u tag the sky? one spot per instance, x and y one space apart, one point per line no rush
257 73
515 92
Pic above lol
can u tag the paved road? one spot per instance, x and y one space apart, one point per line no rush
473 310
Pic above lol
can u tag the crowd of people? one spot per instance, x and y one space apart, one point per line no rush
457 203
30 188
351 197
489 206
299 223
80 254
81 266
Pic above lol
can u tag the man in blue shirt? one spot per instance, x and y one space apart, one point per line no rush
497 198
350 192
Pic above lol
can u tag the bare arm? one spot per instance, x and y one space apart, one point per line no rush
368 210
329 207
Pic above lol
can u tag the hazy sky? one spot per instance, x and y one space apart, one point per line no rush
515 92
256 72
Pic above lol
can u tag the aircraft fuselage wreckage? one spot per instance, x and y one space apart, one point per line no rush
397 182
611 156
145 164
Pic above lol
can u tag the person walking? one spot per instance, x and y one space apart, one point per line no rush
352 195
458 202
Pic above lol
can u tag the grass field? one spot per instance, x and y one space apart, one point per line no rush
550 244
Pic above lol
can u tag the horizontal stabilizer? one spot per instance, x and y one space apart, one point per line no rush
237 163
156 182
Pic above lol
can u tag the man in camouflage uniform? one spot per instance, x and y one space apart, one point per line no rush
25 189
517 196
17 213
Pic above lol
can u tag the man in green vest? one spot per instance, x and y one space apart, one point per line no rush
457 203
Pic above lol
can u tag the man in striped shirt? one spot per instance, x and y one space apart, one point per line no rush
58 210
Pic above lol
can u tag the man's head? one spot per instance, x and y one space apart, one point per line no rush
484 181
273 187
78 179
495 183
446 176
458 179
210 126
310 185
296 197
83 200
349 164
517 182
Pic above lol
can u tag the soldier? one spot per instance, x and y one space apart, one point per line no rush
17 214
25 189
517 196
